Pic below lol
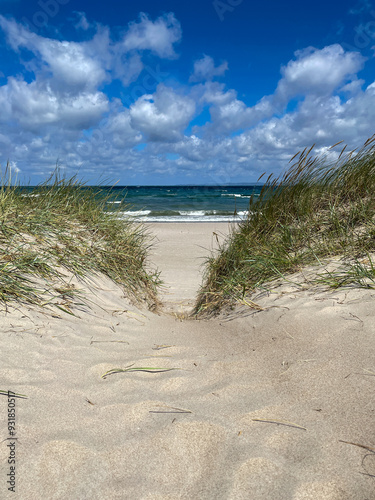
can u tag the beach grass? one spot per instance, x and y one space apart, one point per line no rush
60 230
322 207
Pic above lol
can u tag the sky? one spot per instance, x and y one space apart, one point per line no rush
170 92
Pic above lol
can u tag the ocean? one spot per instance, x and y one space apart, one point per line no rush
184 203
176 203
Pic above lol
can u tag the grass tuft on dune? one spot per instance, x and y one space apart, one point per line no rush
322 207
60 231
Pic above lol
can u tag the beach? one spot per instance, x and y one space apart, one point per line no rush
273 402
180 250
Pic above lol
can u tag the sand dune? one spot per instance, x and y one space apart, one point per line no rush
248 405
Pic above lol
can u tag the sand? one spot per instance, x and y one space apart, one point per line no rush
205 429
180 251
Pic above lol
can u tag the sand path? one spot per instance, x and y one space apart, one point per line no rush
179 252
205 426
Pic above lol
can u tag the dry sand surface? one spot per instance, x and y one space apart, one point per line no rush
205 429
180 251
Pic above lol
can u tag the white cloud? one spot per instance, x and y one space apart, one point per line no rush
127 68
353 87
65 92
70 64
162 116
34 106
318 72
204 69
320 120
60 109
159 36
228 113
313 72
120 131
87 65
12 165
82 22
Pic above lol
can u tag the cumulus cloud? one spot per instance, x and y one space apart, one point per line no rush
67 64
60 107
158 36
65 91
319 120
119 130
312 74
82 22
89 64
205 69
34 106
127 67
162 116
228 113
318 72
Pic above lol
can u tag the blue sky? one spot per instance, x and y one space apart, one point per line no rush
172 92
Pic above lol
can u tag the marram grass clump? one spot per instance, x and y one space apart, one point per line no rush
60 231
318 209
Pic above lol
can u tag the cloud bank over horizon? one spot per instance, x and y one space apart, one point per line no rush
107 104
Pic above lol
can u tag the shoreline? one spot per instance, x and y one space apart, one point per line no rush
189 222
186 222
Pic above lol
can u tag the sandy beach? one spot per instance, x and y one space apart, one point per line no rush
180 251
267 404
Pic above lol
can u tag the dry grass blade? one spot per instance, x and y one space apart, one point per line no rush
366 474
13 394
368 448
292 158
159 356
171 409
108 341
65 309
337 143
279 422
132 368
369 372
251 304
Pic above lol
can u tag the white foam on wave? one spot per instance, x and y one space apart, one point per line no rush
235 195
192 212
141 216
137 213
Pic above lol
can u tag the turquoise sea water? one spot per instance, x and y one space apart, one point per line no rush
184 203
180 203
